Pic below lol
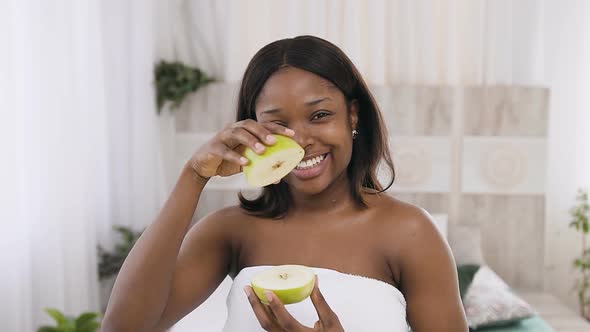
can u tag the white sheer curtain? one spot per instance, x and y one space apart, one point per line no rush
398 41
79 147
136 165
567 72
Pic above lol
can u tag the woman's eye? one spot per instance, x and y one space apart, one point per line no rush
280 123
320 115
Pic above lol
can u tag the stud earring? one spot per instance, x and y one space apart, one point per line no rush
355 134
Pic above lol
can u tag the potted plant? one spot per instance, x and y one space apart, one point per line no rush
86 322
110 262
580 214
175 80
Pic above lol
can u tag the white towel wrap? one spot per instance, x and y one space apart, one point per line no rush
362 304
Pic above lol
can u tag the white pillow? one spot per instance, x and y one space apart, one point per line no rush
441 222
490 302
465 243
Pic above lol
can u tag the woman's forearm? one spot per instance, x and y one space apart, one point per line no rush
142 287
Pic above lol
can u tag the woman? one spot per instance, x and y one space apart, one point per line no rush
380 261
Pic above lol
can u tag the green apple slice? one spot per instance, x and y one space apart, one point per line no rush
290 283
275 163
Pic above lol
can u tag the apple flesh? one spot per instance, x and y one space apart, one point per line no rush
275 163
290 283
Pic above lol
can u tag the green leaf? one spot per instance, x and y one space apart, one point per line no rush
125 232
67 328
110 262
85 318
89 327
57 315
47 329
175 80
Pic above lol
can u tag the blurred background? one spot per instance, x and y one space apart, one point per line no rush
486 102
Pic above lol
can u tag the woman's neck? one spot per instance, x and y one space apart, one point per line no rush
334 198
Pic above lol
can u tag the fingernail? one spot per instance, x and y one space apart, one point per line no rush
269 296
259 147
271 139
243 160
247 291
289 131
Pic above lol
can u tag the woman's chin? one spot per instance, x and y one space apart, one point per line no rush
308 187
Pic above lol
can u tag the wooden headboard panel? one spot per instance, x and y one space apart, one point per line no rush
476 153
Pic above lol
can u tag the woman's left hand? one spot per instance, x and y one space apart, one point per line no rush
274 317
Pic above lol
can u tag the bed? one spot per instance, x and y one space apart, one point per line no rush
552 312
549 314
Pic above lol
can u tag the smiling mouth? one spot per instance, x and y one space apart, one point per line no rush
311 162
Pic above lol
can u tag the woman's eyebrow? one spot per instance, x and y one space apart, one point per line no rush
317 101
308 103
271 111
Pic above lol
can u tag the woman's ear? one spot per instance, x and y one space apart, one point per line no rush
354 113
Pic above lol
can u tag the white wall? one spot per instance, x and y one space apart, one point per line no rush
567 72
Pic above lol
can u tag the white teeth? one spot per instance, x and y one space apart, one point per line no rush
310 162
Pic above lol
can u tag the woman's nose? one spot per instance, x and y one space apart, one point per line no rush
303 136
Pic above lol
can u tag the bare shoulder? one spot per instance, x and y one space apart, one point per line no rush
403 218
218 229
421 261
404 227
226 214
226 220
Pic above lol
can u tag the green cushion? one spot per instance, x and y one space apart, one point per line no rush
466 274
533 324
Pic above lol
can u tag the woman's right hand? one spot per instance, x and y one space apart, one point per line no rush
223 154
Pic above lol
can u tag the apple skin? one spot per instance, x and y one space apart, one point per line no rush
287 296
283 143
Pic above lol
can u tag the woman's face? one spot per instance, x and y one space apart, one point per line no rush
318 113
